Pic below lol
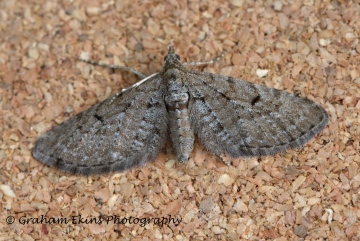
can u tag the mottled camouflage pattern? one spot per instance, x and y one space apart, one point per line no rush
231 117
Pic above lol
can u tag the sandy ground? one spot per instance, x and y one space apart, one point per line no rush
310 48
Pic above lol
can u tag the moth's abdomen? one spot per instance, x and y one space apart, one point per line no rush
181 133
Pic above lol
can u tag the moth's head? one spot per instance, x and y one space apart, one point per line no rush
171 58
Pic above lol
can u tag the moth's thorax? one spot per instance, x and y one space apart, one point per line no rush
174 75
173 69
177 95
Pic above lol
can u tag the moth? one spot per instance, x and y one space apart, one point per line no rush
230 117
